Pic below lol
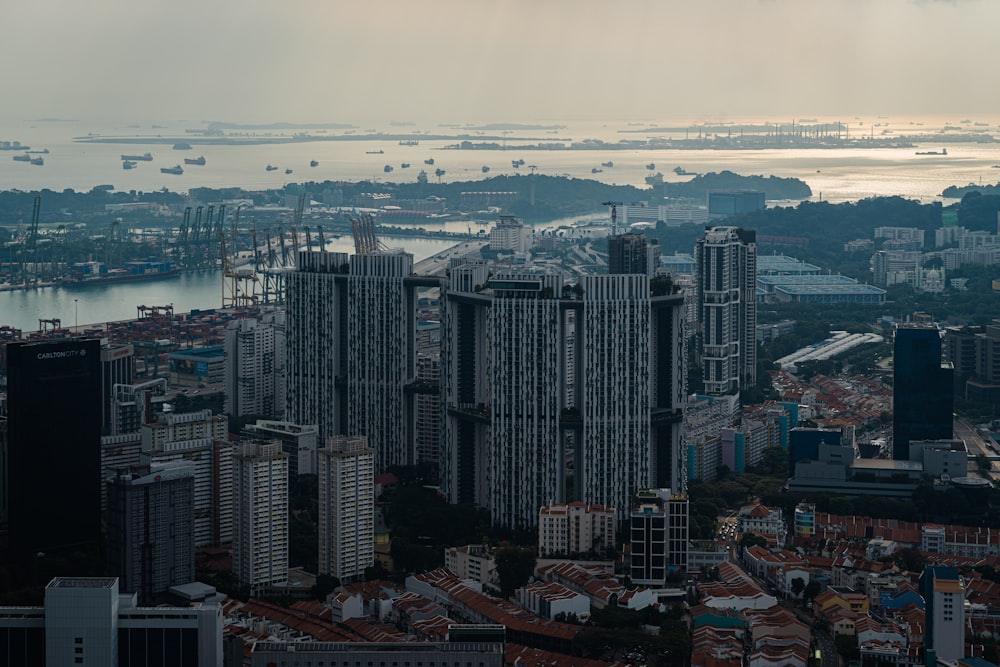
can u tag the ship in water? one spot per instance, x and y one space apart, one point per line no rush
176 170
943 151
288 171
409 142
182 147
270 167
387 168
429 161
129 164
609 163
595 170
22 158
37 161
145 157
98 273
517 163
200 160
313 163
486 169
681 171
378 152
405 165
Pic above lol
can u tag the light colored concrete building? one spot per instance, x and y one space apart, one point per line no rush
575 528
346 507
255 366
260 513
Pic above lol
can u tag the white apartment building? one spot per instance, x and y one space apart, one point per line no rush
575 528
763 521
346 507
473 561
255 366
727 309
260 514
201 438
510 234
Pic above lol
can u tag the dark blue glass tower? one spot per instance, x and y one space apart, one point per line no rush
923 393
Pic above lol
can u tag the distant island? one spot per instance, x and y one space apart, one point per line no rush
773 187
959 191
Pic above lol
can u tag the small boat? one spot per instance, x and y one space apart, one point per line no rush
387 168
439 172
288 171
651 166
175 170
313 163
182 147
595 170
517 163
38 161
129 164
22 158
405 165
486 169
609 163
270 168
378 152
195 160
429 161
145 157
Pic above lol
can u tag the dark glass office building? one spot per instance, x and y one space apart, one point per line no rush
54 431
923 390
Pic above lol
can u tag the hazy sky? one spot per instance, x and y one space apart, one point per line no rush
467 60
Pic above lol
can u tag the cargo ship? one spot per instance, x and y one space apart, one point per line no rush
313 163
97 273
129 164
175 170
22 158
145 157
37 161
195 160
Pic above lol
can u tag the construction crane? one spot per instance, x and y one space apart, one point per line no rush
365 240
614 215
322 241
237 284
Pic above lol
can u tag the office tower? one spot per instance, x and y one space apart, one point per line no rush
725 204
297 441
198 437
255 366
923 390
117 367
260 514
632 253
346 507
944 607
350 334
508 347
727 309
54 431
658 528
150 537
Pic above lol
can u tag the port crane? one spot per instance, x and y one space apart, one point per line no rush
365 240
614 215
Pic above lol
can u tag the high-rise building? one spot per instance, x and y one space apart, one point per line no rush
54 431
150 536
944 608
117 367
510 235
923 390
727 309
658 528
255 366
351 324
201 438
346 507
633 253
260 514
725 204
298 441
506 357
576 528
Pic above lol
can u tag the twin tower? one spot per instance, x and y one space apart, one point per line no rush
549 391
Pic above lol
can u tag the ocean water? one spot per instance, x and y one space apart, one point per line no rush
834 175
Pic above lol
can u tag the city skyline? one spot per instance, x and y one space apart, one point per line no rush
515 61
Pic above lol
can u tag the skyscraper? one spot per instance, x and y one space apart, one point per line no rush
944 607
117 367
727 309
923 389
150 536
255 366
632 253
260 513
351 324
346 507
54 430
514 411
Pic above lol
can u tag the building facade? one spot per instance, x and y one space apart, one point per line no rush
260 513
576 528
346 507
658 534
923 389
727 310
150 529
255 366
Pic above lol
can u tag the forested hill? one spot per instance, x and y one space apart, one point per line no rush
773 187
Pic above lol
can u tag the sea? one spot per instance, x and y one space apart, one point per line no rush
362 153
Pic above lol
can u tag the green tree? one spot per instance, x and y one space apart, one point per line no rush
515 566
798 585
